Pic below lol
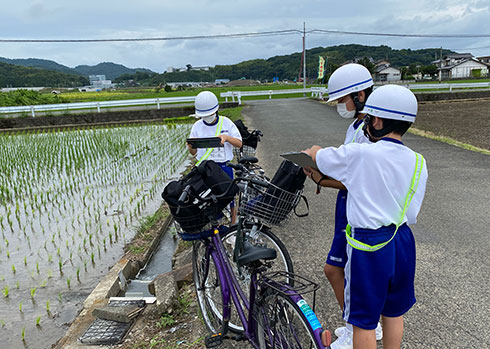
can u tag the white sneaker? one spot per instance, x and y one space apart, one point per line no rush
339 332
344 341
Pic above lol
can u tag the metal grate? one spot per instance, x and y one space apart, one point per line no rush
102 332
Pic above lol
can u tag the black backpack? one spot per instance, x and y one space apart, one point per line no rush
206 179
248 138
282 196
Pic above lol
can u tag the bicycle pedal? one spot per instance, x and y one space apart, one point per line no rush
214 340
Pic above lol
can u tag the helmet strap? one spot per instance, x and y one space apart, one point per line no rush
374 134
357 103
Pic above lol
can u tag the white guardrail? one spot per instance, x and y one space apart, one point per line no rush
93 105
317 92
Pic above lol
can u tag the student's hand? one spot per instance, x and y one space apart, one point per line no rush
308 171
224 138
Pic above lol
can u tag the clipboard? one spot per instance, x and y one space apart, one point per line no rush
300 159
206 142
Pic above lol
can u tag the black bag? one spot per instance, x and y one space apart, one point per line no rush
282 196
206 179
249 139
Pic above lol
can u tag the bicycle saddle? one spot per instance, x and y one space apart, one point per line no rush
249 159
251 253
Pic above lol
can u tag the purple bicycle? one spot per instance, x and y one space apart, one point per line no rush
274 313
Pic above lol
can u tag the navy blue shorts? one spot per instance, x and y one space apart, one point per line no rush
381 282
338 254
229 172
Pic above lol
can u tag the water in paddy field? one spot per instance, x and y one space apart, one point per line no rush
69 202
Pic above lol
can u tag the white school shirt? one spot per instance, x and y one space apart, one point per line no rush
378 177
200 130
355 134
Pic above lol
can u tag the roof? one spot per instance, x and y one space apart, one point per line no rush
382 67
449 67
459 55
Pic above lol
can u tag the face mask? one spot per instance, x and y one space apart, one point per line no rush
343 112
209 119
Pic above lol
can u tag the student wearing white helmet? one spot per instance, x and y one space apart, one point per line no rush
213 125
386 183
349 85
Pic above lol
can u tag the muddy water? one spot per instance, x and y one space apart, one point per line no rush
69 202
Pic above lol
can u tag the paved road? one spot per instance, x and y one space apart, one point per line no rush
452 235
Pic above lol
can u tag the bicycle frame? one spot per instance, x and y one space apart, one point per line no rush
231 291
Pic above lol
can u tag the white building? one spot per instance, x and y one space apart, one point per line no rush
384 72
461 65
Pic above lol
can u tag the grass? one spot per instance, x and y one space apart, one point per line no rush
150 93
448 140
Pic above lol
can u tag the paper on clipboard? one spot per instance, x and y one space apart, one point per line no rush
300 159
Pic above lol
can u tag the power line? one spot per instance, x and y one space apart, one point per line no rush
322 31
248 35
197 37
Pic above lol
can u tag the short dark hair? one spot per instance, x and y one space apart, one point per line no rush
398 126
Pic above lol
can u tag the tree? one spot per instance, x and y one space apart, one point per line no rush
168 88
188 66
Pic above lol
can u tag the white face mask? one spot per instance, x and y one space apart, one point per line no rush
209 119
343 112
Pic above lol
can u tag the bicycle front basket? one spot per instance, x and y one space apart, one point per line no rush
271 205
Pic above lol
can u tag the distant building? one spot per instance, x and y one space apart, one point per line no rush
484 59
461 65
221 81
383 71
99 81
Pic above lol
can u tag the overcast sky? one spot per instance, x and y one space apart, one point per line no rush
102 19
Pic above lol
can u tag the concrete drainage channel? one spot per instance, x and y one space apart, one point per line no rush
130 286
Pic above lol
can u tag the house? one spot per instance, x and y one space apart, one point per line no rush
484 59
461 65
385 72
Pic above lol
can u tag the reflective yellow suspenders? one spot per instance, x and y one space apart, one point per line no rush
413 188
210 150
357 131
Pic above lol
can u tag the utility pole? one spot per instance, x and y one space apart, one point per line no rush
304 57
440 66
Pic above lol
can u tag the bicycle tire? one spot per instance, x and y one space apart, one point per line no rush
263 237
282 324
208 288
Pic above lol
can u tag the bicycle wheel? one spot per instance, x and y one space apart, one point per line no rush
208 287
282 324
265 238
210 296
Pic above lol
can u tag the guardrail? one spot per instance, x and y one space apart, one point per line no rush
317 92
239 94
93 105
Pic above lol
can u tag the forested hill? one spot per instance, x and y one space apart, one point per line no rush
288 66
109 69
18 76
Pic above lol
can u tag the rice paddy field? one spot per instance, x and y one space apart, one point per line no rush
69 202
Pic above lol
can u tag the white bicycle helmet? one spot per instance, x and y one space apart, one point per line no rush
347 79
206 104
392 102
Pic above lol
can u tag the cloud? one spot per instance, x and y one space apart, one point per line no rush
61 19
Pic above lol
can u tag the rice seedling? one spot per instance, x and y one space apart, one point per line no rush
5 291
20 307
2 323
13 269
68 282
33 292
38 321
17 284
48 306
